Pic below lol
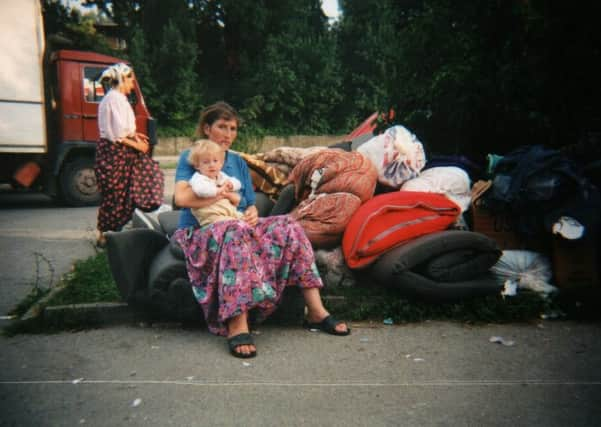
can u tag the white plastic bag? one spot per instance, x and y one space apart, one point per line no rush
397 154
451 181
529 269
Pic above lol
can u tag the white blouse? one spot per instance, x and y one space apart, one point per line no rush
116 118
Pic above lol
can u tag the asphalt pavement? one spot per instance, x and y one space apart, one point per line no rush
544 373
426 374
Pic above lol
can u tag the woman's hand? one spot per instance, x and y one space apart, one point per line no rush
136 143
251 215
142 137
142 142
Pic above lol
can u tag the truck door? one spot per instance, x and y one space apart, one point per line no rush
92 94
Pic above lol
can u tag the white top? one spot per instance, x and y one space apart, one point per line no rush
203 186
116 118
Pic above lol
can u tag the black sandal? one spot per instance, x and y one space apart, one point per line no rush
327 325
241 339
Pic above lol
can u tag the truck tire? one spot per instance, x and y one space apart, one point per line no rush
78 183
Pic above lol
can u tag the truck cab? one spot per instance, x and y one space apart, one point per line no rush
49 109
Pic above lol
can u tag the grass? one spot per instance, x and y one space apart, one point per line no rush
378 303
33 297
168 164
89 282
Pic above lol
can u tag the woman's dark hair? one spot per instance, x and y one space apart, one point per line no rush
214 112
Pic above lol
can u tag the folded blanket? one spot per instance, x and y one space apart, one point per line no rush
390 219
330 185
334 171
290 156
325 216
265 177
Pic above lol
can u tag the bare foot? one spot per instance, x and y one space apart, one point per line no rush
100 239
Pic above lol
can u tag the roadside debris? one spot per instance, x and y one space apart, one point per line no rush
501 340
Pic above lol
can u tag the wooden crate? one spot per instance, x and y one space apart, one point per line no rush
575 262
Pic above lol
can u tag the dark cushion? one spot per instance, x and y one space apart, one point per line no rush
458 265
169 221
414 285
441 266
263 203
165 268
130 254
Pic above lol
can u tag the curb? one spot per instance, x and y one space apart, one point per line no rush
95 314
76 316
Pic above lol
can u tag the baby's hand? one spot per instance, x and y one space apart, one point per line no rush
228 185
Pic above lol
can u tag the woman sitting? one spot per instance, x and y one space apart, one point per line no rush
236 266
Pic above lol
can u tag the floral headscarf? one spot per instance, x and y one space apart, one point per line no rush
115 74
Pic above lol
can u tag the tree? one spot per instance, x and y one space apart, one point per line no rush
174 76
70 29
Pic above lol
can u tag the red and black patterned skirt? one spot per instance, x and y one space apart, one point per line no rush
127 179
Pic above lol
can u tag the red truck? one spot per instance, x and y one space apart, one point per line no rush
49 109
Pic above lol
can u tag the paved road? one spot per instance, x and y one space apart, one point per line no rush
40 240
428 374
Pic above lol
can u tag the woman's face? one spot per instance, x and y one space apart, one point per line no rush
128 83
222 131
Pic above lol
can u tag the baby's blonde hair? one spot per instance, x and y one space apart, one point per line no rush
203 147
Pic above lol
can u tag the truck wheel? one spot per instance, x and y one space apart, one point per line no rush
78 183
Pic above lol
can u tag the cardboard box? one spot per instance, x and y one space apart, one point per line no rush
499 227
575 262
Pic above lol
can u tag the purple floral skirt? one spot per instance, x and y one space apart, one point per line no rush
234 267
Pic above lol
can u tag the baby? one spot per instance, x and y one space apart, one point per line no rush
207 157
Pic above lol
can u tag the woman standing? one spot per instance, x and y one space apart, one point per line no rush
240 265
126 175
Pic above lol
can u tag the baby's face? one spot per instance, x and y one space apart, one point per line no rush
210 165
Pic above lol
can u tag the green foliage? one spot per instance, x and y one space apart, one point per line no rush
90 281
297 85
174 75
66 29
468 78
30 299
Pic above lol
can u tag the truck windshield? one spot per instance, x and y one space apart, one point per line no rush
93 90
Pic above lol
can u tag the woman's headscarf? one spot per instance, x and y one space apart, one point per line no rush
115 74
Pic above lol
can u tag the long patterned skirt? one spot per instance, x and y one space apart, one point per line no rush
127 179
234 267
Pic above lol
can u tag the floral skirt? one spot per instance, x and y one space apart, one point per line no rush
127 179
234 267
